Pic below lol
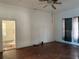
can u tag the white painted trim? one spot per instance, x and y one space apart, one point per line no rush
68 42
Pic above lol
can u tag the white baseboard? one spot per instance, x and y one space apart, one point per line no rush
77 44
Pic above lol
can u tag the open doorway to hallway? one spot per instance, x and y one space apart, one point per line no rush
8 34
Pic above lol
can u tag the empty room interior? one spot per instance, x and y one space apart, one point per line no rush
39 29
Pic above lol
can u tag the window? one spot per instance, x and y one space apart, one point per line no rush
70 29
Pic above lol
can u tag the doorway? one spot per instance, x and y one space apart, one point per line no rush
8 34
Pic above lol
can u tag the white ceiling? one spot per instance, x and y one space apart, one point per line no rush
66 4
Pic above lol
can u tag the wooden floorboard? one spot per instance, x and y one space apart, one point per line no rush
1 55
54 50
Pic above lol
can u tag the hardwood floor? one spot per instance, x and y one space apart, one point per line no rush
1 55
53 50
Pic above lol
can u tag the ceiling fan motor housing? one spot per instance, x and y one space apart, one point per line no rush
49 1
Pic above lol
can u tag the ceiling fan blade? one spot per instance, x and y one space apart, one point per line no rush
53 6
45 6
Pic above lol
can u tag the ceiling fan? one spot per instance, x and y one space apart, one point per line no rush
51 2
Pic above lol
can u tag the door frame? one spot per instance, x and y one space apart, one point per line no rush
7 19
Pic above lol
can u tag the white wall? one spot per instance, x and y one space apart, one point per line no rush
42 27
59 24
31 26
22 18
